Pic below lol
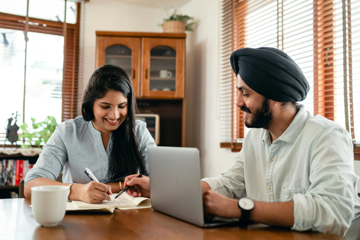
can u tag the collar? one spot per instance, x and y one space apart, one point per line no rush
294 129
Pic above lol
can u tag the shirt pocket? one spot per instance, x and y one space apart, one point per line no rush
288 194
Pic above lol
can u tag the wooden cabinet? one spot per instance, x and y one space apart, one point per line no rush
155 62
162 62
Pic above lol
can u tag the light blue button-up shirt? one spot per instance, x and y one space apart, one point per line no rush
311 163
75 145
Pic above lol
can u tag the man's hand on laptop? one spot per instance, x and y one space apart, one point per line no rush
137 187
219 205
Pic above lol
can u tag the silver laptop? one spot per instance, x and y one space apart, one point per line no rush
175 184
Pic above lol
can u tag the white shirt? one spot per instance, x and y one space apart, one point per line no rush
311 163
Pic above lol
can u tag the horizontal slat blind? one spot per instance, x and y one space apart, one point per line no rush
323 37
354 64
225 73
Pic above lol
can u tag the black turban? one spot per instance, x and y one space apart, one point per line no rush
271 73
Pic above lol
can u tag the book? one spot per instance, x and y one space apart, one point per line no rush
9 172
123 202
1 173
17 181
21 170
14 173
25 168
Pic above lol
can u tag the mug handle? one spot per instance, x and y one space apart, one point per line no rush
169 73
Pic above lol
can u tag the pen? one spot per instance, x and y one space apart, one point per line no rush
91 175
126 188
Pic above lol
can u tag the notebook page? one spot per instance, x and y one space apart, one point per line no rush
124 201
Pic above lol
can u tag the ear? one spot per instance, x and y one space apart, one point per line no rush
274 104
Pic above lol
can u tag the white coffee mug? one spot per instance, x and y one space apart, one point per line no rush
165 74
49 204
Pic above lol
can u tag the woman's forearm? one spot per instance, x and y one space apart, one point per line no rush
40 182
115 187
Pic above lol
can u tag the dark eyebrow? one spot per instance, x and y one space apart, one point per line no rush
242 88
110 103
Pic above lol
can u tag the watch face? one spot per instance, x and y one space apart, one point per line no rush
246 203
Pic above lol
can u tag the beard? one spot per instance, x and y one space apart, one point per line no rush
261 118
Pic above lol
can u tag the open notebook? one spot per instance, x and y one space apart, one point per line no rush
123 202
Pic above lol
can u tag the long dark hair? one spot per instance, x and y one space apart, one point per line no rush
125 157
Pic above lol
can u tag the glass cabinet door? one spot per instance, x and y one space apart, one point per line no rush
163 68
123 52
119 55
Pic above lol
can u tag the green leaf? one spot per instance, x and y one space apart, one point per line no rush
41 131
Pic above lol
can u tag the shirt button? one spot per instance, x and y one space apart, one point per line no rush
272 159
269 188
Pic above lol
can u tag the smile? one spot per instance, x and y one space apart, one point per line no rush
112 122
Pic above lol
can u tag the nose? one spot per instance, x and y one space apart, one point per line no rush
240 102
114 114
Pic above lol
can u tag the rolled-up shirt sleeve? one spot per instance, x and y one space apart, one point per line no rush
230 182
51 160
328 205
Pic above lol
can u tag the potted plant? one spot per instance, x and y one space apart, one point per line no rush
40 132
178 23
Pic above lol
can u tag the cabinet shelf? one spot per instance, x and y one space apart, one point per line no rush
118 56
162 79
9 187
163 58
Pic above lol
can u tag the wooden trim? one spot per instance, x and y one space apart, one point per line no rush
140 34
48 23
239 36
235 147
180 66
324 77
71 69
145 65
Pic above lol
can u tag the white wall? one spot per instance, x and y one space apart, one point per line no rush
202 75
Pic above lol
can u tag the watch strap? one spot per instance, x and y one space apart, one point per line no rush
245 217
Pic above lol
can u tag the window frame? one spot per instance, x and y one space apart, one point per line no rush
71 33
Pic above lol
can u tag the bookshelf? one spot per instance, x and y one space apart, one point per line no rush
14 156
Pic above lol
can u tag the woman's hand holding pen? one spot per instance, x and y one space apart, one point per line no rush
91 192
137 187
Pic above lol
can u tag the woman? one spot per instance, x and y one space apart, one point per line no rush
106 139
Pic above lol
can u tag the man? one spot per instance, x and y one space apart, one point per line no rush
294 170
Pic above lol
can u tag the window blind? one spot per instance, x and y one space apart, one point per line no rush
39 59
225 72
323 37
354 64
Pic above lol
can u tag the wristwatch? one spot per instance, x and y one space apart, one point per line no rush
246 205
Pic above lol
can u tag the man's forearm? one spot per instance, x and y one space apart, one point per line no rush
274 214
204 186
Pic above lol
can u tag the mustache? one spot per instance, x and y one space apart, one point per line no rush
245 109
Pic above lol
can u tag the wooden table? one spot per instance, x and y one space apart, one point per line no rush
17 222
